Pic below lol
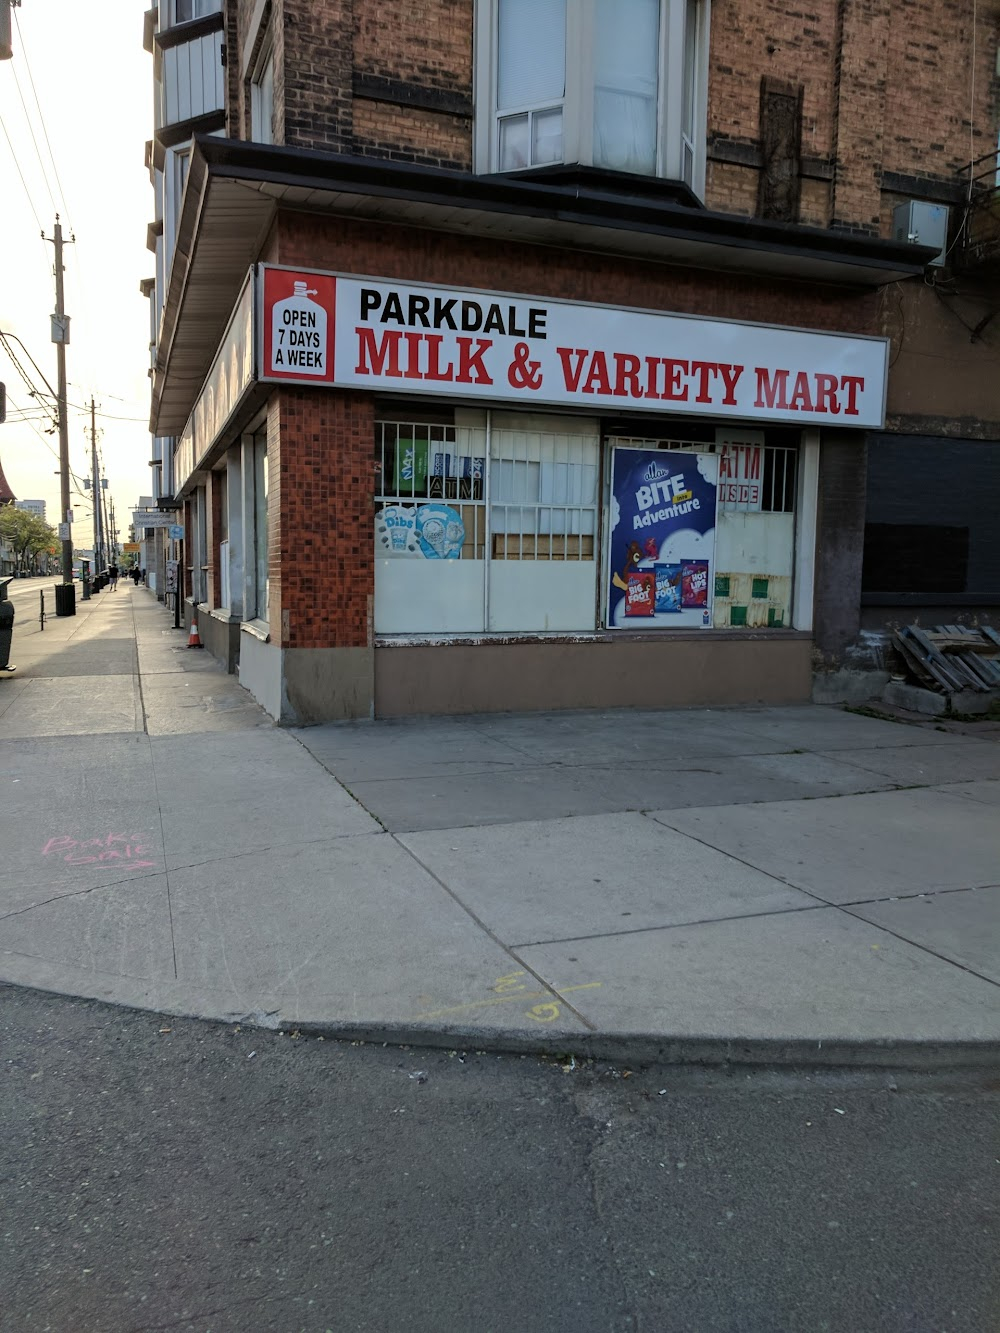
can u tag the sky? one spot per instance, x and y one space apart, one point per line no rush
76 108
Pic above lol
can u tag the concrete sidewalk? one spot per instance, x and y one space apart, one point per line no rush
751 883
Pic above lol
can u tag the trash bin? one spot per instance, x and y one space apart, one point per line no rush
65 599
6 627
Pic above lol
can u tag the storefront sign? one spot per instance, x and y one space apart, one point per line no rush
153 518
371 334
661 544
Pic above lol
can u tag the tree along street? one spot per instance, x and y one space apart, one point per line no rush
161 1173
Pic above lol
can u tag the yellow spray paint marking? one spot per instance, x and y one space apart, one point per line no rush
541 1013
509 982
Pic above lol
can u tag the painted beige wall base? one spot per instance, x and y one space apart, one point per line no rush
626 673
327 684
302 685
260 671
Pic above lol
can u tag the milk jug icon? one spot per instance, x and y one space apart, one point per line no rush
298 334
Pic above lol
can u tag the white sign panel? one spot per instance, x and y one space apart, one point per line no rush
362 333
154 518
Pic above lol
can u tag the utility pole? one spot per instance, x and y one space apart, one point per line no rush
60 336
95 483
113 532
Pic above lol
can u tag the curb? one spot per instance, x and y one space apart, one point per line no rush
934 1055
652 1049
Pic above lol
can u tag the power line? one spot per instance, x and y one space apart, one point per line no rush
17 164
38 154
77 479
41 118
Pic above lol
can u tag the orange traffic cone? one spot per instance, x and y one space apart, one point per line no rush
194 640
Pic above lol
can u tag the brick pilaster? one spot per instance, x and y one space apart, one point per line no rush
323 469
859 120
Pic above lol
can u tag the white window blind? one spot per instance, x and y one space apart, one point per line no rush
531 81
531 53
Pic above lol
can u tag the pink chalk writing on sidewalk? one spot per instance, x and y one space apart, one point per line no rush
124 847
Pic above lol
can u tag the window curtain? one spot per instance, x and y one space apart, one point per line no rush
626 67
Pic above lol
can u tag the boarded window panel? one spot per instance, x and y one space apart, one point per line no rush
915 557
543 520
780 182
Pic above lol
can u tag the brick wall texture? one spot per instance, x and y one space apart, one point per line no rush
889 86
321 469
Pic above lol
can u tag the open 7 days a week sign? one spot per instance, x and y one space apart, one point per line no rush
368 333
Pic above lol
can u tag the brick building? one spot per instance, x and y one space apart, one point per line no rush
513 354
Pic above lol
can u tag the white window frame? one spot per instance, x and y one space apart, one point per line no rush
261 581
578 103
262 76
199 9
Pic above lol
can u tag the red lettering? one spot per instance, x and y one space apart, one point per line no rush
826 393
372 357
597 381
413 341
571 374
627 368
772 392
470 362
852 383
730 377
674 389
703 369
434 371
652 376
801 400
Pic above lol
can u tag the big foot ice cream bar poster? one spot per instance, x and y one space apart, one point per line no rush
661 544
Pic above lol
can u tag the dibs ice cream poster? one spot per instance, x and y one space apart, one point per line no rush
661 568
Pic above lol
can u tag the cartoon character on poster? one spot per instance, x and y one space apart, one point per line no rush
440 532
661 553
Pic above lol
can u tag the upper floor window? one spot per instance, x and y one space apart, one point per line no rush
262 99
183 11
609 83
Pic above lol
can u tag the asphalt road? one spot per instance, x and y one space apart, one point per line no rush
169 1174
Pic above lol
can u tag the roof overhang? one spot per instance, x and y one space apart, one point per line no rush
235 190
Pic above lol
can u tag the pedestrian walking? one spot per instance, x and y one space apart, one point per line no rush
136 574
113 577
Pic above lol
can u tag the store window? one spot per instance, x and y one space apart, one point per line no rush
486 523
261 582
619 84
701 534
199 563
225 589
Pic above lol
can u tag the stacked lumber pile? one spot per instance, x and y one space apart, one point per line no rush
951 658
